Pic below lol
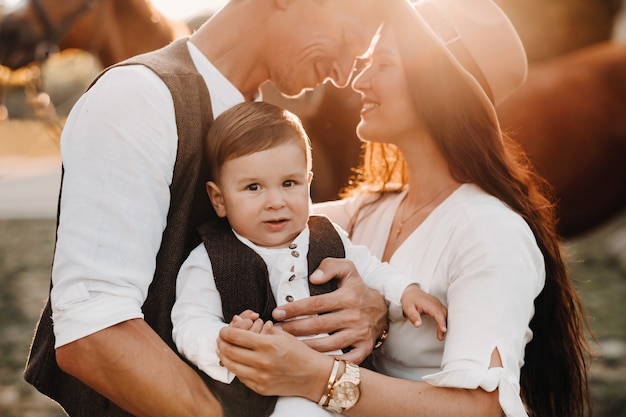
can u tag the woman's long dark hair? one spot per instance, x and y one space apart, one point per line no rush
554 378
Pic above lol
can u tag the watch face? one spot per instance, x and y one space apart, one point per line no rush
346 394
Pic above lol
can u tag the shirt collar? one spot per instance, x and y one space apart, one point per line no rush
301 241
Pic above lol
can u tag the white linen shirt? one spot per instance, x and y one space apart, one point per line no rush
482 261
118 148
197 315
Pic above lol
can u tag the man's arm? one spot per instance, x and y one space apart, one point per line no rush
356 315
131 365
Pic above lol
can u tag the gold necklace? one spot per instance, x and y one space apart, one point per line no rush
414 212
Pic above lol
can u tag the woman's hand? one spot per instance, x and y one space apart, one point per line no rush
354 315
270 361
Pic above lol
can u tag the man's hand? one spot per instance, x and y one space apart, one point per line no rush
354 315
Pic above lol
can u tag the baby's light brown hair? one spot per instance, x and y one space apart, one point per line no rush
252 127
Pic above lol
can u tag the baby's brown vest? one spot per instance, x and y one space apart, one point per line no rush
241 275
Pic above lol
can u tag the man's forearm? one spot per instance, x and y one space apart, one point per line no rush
132 366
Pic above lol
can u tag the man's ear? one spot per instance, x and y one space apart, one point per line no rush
217 198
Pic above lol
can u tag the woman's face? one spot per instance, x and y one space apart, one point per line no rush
388 113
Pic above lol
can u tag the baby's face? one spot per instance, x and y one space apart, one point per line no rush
266 194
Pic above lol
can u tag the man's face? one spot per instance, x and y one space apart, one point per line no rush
316 41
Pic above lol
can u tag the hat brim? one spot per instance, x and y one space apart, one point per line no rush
407 19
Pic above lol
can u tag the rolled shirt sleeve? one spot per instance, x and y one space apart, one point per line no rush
118 159
119 148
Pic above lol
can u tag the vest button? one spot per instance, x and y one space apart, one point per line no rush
291 278
289 298
293 246
295 253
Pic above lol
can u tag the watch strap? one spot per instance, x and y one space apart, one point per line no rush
336 399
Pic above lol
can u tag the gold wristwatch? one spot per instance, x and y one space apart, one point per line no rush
345 391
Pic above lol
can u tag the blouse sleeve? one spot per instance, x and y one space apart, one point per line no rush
495 272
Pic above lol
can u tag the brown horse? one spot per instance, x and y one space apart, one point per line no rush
111 29
570 117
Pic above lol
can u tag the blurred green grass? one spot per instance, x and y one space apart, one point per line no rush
597 263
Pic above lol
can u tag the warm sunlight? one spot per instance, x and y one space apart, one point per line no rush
184 9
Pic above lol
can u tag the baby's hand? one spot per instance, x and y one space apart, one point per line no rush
248 320
415 301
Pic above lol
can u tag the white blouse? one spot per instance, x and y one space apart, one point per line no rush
482 261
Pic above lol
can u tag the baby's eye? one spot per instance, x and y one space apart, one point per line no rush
289 183
253 187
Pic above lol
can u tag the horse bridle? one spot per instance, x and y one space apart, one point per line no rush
52 35
28 77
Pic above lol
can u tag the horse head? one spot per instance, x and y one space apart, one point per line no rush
36 28
112 30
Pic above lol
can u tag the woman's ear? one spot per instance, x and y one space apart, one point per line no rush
217 198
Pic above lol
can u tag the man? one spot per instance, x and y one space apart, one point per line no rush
131 199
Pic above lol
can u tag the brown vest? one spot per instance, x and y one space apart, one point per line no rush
242 279
189 208
241 275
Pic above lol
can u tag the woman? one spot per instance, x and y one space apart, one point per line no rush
444 195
